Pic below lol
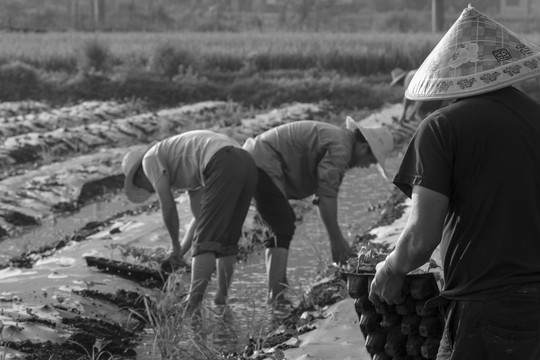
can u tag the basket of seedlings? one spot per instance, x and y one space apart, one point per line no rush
360 269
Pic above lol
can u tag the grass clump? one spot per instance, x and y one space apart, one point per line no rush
176 335
95 57
168 60
214 333
97 352
256 69
19 81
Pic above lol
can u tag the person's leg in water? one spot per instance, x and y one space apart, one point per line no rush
276 272
241 174
202 268
225 269
277 213
230 179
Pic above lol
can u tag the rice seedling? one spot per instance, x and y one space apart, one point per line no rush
5 351
213 333
97 352
176 335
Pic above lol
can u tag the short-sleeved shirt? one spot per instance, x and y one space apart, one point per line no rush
304 157
182 158
483 153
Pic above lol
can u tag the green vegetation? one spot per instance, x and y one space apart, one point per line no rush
205 335
246 15
358 53
255 69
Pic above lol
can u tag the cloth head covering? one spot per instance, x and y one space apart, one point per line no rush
477 55
380 141
130 163
397 75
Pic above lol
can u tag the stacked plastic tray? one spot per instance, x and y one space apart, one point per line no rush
408 331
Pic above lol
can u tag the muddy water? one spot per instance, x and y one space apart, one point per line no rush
361 192
54 228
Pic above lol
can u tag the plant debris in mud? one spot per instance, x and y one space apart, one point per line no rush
99 336
122 298
392 209
91 335
27 259
138 273
330 288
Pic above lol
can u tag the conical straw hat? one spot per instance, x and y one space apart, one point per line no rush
380 141
477 55
397 75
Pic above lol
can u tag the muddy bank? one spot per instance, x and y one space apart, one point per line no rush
60 279
91 311
94 153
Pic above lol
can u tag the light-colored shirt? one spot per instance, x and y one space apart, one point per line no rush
183 158
304 157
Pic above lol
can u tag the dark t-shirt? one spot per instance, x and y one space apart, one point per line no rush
483 153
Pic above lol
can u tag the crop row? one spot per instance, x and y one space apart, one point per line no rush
355 53
85 113
27 198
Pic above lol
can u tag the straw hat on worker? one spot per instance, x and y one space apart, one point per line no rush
130 164
476 56
380 141
398 74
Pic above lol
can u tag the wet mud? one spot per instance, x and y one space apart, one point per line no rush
78 173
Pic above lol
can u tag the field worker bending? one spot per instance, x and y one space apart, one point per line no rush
413 110
304 158
220 178
472 170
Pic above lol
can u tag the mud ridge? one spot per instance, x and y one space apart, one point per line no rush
90 328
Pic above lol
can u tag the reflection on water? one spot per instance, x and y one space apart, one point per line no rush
362 190
235 327
248 316
54 228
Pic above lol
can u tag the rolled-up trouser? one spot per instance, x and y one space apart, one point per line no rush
275 210
230 179
502 328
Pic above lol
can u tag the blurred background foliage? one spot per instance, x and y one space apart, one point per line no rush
248 15
261 53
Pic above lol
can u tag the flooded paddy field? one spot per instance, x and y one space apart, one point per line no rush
60 201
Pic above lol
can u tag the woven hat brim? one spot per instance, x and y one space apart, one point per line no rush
380 141
130 164
398 78
136 194
477 55
431 88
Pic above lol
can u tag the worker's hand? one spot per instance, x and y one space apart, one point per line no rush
173 263
341 251
387 286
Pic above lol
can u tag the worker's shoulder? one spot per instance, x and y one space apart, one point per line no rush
305 125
